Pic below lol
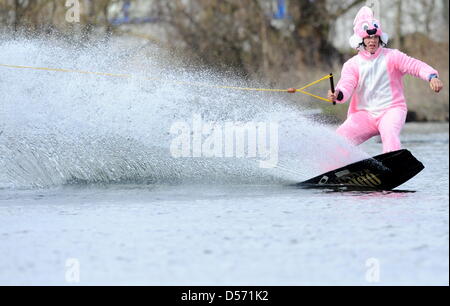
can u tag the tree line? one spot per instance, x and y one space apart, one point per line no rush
228 34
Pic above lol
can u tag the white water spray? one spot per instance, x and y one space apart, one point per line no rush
66 128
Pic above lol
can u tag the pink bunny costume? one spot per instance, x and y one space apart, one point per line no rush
374 82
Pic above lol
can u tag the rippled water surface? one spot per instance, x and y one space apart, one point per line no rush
234 234
89 191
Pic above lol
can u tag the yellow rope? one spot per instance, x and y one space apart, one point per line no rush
68 70
315 82
179 82
317 97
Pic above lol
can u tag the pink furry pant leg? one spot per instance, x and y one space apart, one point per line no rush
361 126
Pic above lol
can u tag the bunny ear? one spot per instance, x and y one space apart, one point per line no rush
365 13
355 41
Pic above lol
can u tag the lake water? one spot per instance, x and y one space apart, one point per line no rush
244 234
90 194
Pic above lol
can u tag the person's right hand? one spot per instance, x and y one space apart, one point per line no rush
333 96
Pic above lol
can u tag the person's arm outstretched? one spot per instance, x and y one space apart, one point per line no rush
409 65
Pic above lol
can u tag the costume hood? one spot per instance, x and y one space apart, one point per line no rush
366 25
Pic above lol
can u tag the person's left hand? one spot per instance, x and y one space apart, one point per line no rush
436 85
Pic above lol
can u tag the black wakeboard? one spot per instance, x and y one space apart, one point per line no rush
382 172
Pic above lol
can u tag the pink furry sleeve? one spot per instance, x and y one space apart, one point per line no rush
349 80
409 65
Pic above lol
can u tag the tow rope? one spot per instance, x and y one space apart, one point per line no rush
197 84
